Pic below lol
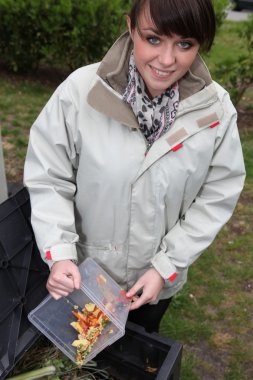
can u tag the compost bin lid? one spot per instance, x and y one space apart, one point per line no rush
23 276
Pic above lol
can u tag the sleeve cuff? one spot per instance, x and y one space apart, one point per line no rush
60 252
163 265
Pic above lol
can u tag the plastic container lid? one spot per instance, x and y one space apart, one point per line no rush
53 317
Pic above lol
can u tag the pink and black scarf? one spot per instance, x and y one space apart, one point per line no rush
155 116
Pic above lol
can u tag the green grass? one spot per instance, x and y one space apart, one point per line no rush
214 310
20 102
227 47
212 315
248 152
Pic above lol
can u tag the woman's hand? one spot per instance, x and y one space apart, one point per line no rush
63 279
151 284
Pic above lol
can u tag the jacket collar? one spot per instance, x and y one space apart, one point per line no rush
110 83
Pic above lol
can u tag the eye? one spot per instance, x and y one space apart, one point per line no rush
185 44
153 40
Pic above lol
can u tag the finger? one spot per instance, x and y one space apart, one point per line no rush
62 290
57 295
132 292
75 277
77 280
138 302
135 305
65 281
59 287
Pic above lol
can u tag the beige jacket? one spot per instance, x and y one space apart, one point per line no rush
94 191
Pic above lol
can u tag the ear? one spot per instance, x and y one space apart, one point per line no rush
129 25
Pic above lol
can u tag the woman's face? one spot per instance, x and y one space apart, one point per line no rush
161 60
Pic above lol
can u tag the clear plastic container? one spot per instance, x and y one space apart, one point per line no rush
53 317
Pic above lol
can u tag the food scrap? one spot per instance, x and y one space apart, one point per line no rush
89 325
101 280
151 369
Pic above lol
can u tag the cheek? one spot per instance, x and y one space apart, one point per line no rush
193 55
186 62
141 52
138 54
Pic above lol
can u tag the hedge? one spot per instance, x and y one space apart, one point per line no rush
57 32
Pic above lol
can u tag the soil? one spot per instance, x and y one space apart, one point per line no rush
51 77
245 119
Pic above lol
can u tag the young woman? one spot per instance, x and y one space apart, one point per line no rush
136 161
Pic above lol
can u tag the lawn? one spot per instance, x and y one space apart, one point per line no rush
227 47
212 316
20 102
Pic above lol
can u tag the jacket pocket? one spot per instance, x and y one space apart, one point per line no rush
111 257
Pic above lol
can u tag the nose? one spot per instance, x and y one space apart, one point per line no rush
167 56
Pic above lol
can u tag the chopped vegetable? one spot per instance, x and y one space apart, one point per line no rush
151 369
89 325
101 280
90 307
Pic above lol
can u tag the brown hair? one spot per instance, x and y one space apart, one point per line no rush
186 18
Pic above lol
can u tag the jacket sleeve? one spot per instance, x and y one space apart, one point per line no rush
49 175
213 205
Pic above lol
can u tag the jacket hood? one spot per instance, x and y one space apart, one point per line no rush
114 69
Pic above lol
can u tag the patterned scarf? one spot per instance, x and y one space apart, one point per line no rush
155 116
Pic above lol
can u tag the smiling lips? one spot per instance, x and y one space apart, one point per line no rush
161 73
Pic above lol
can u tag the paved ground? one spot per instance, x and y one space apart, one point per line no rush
239 16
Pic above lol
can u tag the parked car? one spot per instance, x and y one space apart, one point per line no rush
245 4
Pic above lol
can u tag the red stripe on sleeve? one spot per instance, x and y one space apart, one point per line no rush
48 255
172 278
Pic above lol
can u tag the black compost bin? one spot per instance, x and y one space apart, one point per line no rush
141 355
23 277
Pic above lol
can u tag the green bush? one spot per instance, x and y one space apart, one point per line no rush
21 38
85 33
220 7
238 76
58 32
